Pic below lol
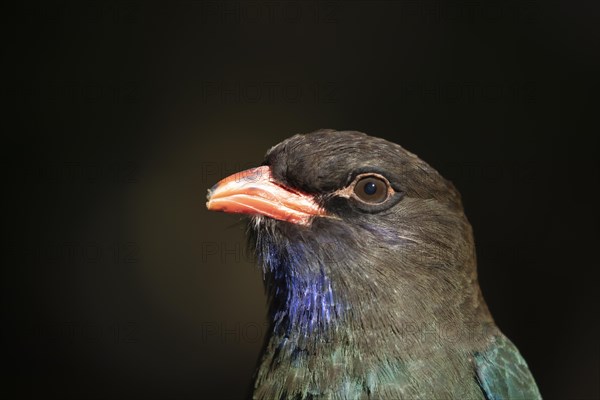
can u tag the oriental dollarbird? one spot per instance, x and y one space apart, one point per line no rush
369 263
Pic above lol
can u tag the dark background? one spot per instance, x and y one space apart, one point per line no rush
116 281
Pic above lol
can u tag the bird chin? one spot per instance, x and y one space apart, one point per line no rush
257 222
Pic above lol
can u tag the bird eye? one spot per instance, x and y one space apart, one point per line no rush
371 189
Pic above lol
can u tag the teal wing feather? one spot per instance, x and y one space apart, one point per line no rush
503 374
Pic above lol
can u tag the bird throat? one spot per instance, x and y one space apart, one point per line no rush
302 297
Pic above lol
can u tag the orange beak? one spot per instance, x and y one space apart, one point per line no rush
255 192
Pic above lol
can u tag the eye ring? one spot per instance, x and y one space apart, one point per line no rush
368 188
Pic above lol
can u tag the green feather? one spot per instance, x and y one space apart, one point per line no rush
503 374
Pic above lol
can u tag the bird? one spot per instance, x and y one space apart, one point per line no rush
370 268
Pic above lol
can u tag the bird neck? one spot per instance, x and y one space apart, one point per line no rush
326 306
317 298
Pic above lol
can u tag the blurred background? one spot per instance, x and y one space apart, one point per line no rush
118 283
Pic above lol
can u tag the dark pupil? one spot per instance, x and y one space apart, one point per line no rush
370 188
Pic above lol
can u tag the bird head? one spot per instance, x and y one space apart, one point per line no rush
349 227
